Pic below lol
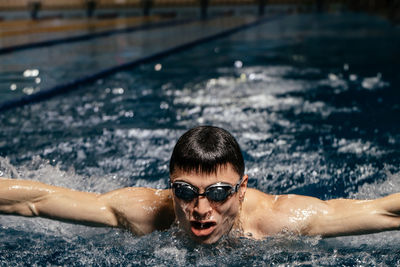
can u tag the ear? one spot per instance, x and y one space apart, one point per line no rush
243 187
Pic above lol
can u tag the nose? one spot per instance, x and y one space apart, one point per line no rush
202 208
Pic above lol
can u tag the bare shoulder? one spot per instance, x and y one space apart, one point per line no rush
274 214
141 210
137 194
255 206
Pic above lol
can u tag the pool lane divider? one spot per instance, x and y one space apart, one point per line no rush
89 36
74 85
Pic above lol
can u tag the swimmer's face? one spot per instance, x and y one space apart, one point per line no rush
204 220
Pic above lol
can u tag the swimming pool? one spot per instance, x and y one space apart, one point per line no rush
312 99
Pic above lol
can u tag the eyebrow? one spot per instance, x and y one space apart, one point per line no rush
220 182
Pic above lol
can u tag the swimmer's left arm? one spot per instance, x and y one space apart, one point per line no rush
339 217
303 215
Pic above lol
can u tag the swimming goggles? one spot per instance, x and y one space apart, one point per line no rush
218 192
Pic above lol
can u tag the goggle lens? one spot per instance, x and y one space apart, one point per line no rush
218 193
184 192
215 193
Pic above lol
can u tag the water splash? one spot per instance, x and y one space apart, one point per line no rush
7 170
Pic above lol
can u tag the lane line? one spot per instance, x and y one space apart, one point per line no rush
85 37
30 27
74 85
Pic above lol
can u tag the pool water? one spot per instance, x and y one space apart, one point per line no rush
313 100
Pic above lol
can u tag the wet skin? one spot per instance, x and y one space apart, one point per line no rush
253 213
206 221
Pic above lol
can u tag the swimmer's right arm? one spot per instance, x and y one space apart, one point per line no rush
137 209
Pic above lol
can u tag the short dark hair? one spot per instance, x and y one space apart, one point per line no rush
204 149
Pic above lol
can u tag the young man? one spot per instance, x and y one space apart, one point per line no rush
208 198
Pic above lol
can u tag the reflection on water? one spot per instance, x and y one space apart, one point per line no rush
313 101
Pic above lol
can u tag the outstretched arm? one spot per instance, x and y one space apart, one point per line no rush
338 217
137 209
347 217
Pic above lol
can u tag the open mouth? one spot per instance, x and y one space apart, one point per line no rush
202 229
202 226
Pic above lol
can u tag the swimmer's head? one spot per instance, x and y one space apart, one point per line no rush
204 149
208 183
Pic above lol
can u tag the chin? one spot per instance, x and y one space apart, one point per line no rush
210 239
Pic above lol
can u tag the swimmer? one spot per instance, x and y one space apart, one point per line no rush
208 198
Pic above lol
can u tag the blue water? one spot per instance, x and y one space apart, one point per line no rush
312 99
25 72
